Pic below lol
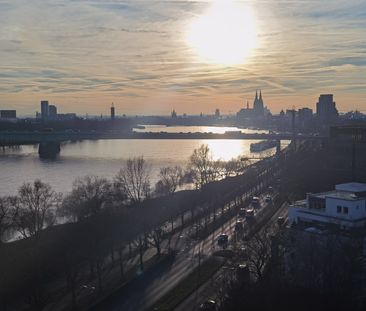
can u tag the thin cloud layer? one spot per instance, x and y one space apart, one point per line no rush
82 55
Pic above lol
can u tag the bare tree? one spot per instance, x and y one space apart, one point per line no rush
156 237
35 208
5 216
134 180
235 166
170 178
259 252
87 197
200 166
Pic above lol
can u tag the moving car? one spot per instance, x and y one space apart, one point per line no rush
239 226
242 212
208 305
280 220
249 214
255 201
223 240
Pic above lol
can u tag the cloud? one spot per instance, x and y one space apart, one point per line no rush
135 50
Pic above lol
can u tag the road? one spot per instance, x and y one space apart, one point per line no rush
144 292
209 289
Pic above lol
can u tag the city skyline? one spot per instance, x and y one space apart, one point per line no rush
84 55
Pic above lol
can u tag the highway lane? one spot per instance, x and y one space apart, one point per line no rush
209 289
142 295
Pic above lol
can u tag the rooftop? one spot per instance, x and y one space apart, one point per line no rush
354 187
345 195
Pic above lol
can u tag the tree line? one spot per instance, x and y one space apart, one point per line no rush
103 217
36 205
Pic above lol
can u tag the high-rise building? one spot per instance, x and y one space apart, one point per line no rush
326 108
305 116
52 111
44 109
113 112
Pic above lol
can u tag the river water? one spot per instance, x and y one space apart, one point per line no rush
105 157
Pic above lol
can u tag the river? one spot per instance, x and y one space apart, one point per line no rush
105 157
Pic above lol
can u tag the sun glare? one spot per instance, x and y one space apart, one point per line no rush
225 34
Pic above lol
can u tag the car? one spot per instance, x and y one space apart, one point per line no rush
242 272
249 214
255 201
268 199
242 212
208 305
239 226
223 239
280 220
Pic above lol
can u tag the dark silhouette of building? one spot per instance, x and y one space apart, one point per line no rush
256 112
174 114
258 106
217 113
44 109
113 112
8 114
326 109
305 117
52 112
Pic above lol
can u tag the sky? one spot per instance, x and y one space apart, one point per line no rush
82 55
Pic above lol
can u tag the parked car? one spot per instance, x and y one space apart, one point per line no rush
268 199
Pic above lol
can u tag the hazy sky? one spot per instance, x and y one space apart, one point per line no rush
82 55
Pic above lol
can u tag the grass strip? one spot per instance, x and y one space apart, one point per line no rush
188 285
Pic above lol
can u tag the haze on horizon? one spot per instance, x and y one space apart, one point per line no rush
149 57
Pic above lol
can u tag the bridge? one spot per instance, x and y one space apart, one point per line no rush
27 138
49 141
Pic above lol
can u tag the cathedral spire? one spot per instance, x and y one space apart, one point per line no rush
256 94
260 94
247 104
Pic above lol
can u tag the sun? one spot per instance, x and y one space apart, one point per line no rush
225 34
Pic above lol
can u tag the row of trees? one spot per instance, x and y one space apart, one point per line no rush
37 205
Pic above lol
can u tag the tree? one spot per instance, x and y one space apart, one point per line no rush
200 166
133 180
170 180
259 252
5 216
235 166
87 197
156 237
35 208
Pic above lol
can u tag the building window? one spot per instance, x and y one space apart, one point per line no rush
345 210
339 209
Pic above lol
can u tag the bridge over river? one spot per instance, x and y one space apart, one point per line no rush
49 141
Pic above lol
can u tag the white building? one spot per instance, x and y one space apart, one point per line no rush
344 207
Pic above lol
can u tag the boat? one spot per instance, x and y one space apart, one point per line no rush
263 145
